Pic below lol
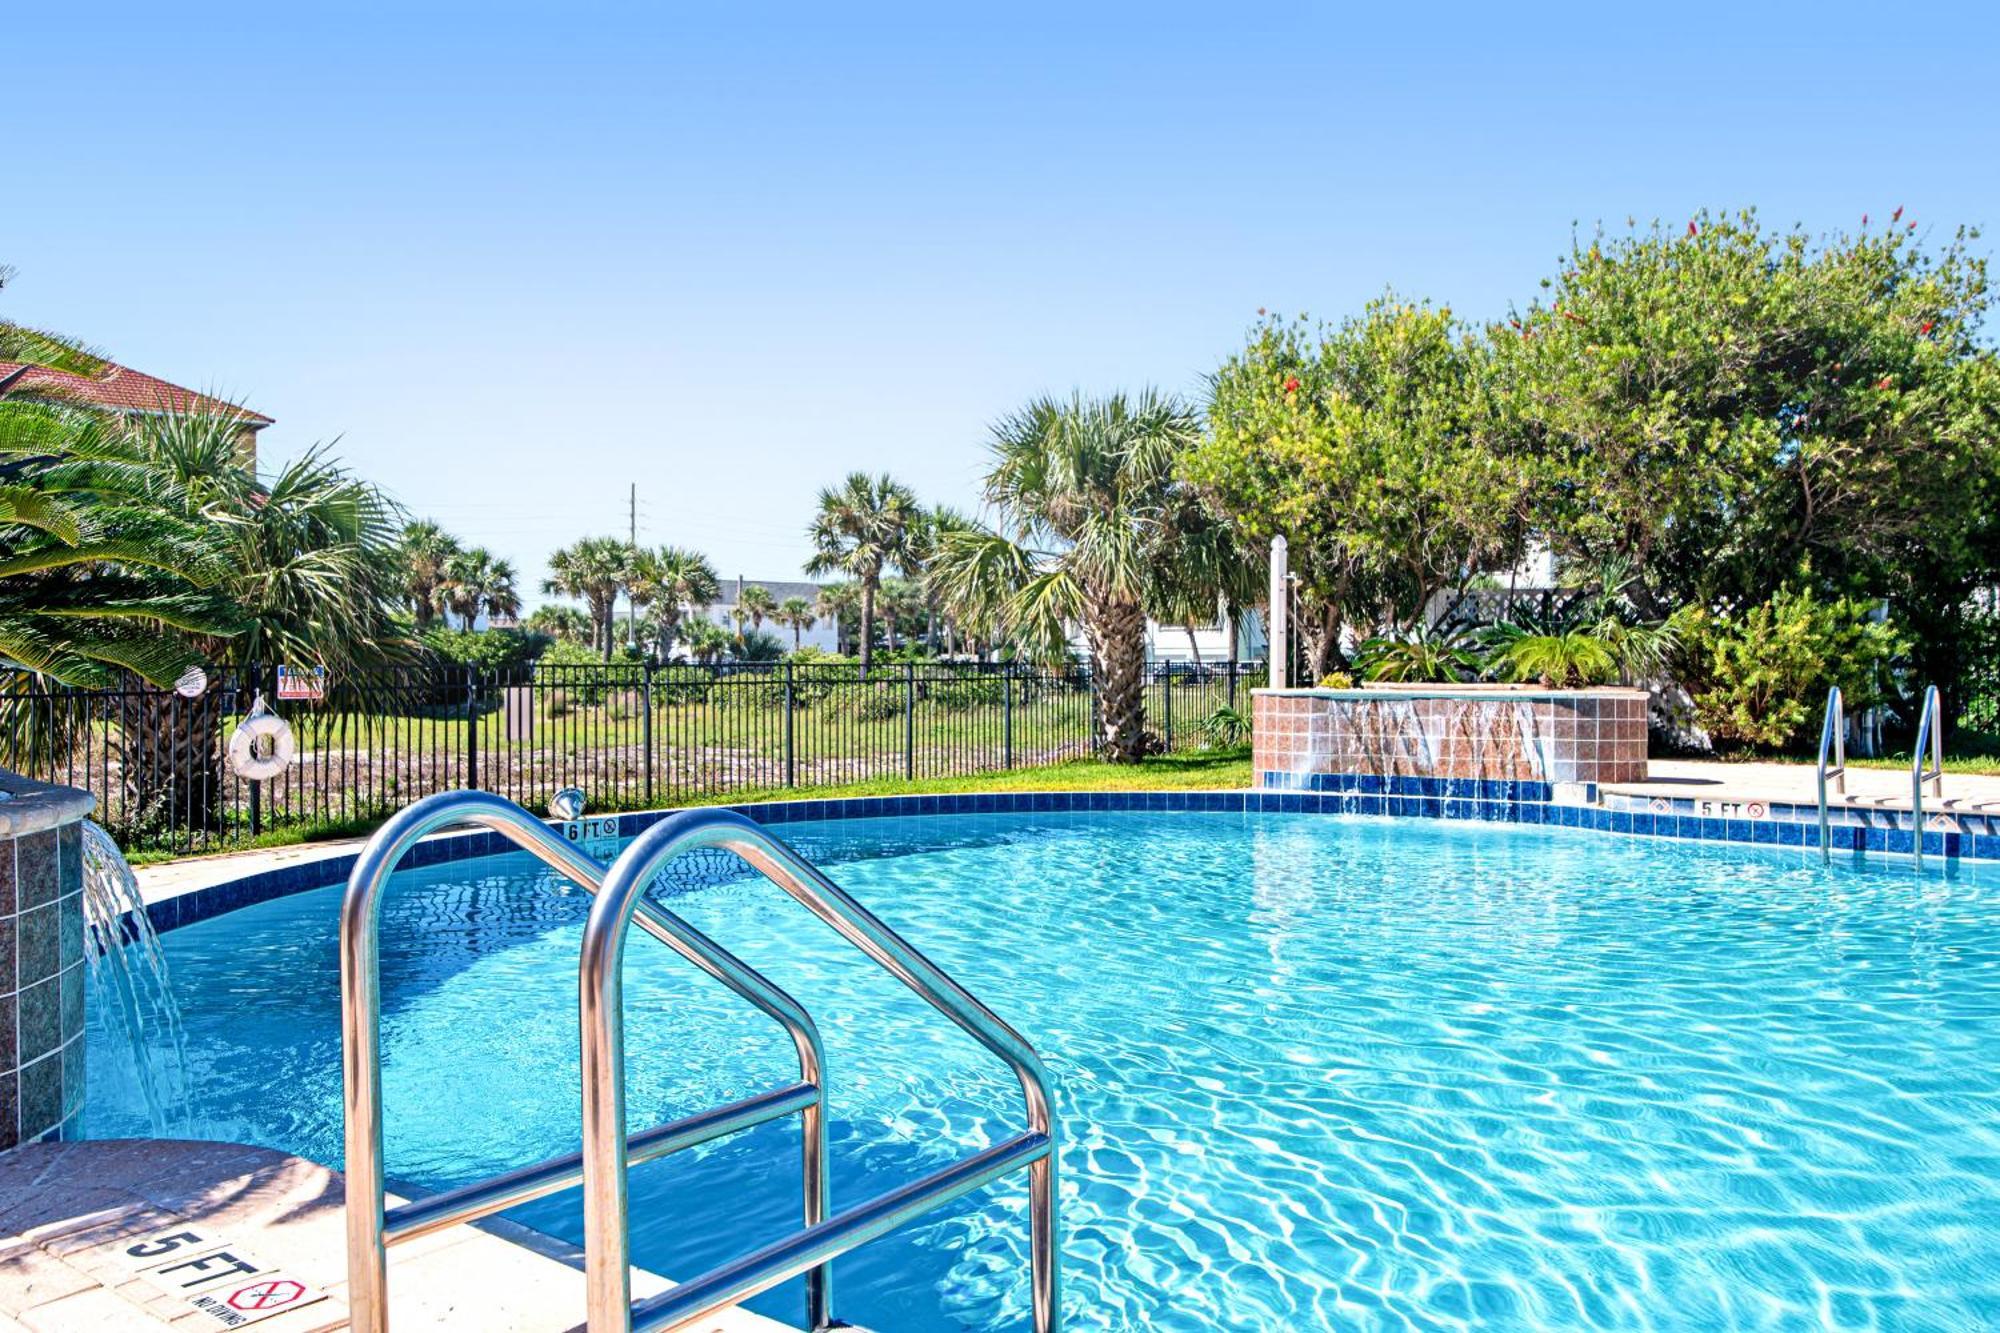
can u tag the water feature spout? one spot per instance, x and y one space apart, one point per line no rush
130 989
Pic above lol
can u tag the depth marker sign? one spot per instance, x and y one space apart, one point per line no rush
252 1299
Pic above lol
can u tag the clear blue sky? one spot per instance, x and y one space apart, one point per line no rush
517 258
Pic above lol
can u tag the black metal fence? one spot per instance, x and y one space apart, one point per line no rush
630 735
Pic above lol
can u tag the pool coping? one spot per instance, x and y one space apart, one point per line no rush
1855 830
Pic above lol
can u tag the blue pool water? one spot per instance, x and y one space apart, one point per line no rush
1313 1072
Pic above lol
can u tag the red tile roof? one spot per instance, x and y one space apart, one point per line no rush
117 387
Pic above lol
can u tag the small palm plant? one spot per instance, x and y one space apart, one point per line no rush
1569 660
1425 656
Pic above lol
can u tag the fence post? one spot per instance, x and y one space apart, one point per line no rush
256 787
791 755
909 719
646 722
1007 712
1167 705
472 727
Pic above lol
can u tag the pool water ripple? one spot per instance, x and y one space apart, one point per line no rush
1313 1072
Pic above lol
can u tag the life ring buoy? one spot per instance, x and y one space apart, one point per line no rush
250 756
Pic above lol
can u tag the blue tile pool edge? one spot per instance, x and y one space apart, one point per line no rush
1418 798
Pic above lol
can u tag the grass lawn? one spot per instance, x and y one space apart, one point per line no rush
1208 770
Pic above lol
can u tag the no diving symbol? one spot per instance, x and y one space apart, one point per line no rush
267 1295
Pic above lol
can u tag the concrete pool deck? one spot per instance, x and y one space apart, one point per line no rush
1871 788
215 1220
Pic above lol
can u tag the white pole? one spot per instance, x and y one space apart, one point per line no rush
1279 636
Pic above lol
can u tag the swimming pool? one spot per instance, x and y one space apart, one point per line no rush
1312 1071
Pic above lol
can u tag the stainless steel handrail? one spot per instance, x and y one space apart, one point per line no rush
1833 734
1928 729
371 1229
600 1005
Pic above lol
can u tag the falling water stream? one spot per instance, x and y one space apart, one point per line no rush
1499 738
129 986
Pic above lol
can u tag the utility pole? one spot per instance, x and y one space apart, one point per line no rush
632 539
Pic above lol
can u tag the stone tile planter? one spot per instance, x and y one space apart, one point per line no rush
1488 732
41 958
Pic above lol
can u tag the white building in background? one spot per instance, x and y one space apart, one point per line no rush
1209 645
824 634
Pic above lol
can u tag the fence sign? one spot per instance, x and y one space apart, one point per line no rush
597 837
302 683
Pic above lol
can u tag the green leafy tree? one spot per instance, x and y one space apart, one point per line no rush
1376 449
862 530
1723 403
1083 489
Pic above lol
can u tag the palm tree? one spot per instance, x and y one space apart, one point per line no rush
927 537
96 574
310 568
755 604
795 614
594 569
423 551
862 529
474 582
1213 574
840 603
706 640
39 347
564 624
672 582
1085 488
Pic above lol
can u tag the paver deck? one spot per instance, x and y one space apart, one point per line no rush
71 1212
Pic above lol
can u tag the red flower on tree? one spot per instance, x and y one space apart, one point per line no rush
1692 229
1927 326
1291 384
1897 216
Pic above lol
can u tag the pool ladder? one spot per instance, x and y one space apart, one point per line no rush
609 1150
1925 768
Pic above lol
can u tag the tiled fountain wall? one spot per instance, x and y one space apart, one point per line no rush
1487 733
41 958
